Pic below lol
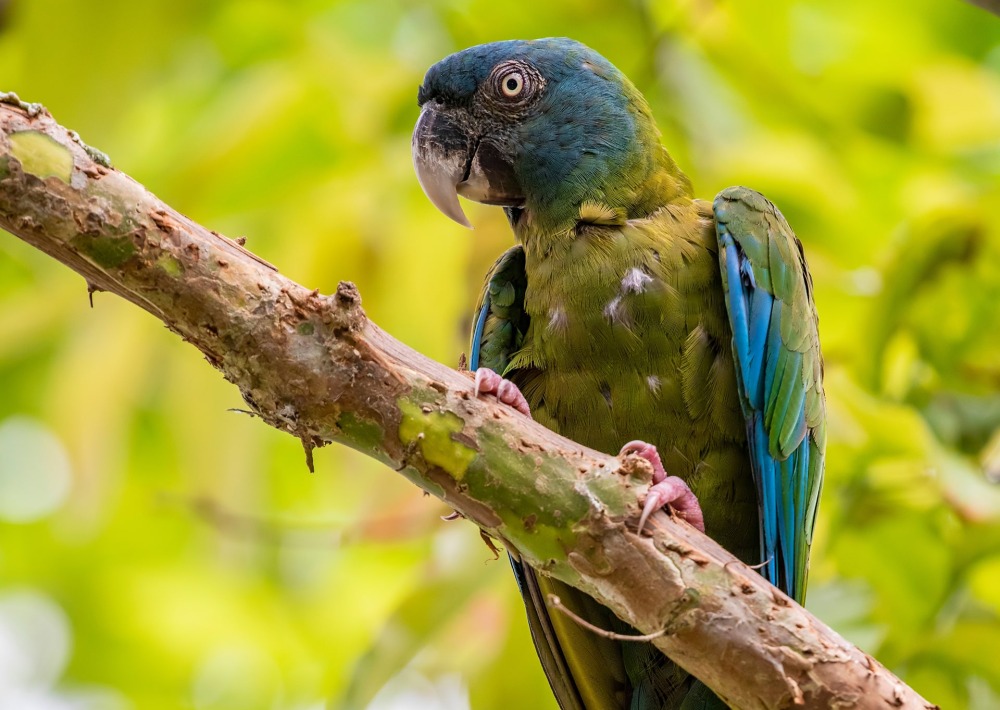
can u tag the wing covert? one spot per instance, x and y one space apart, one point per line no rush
500 318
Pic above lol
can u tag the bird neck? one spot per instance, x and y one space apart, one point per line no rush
630 185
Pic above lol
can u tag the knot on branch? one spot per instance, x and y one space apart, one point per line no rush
348 314
348 295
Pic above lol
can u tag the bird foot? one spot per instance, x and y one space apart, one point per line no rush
489 382
666 490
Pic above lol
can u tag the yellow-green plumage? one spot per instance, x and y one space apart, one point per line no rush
628 338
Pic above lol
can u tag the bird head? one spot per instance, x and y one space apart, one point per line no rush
544 126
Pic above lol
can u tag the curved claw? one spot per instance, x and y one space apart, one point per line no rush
489 382
652 505
666 490
486 381
673 492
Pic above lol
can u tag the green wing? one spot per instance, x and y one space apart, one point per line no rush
779 373
501 322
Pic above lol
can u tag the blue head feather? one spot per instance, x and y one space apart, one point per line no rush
588 137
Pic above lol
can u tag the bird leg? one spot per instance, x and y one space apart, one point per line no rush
666 490
489 382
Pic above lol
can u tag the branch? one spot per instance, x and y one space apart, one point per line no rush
316 367
988 5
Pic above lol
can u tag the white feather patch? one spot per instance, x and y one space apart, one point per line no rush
558 319
612 311
635 281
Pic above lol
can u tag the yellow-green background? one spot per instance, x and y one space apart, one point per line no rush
159 551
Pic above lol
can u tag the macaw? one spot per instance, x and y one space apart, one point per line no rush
630 312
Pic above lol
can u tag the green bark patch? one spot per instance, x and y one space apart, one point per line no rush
537 518
364 435
432 433
41 155
170 265
107 252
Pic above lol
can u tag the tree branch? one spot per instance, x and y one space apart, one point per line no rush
316 367
988 5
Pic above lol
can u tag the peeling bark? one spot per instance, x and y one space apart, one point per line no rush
313 365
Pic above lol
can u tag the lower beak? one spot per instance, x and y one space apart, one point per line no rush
451 162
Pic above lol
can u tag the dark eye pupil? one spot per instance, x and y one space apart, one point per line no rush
511 83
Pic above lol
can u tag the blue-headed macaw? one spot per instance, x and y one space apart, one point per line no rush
629 310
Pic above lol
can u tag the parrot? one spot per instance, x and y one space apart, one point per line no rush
631 317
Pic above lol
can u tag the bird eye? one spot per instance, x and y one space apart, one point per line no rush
512 84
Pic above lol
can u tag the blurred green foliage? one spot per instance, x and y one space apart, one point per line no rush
160 552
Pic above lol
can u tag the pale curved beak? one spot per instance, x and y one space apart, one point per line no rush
451 161
442 152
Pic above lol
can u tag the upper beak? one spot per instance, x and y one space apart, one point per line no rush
450 161
441 154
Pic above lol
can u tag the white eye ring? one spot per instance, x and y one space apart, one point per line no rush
512 84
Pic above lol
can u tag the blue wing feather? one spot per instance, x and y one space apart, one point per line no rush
737 308
763 467
760 322
477 334
765 282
